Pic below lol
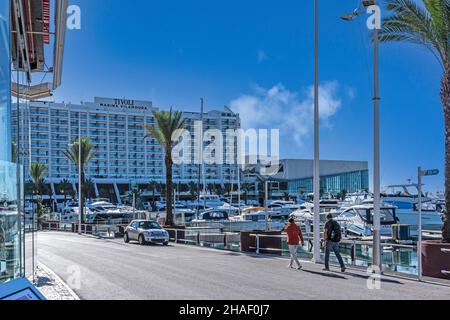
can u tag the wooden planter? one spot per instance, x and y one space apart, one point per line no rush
436 259
267 245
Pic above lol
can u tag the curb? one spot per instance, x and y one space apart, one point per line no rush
58 279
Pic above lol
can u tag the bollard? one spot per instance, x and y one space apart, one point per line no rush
176 235
257 244
225 241
353 254
198 238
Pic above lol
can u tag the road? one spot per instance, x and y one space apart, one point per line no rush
112 270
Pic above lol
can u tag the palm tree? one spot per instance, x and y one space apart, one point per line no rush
192 186
89 188
426 24
66 187
87 154
152 186
167 123
37 173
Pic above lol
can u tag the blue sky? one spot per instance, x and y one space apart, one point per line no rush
257 57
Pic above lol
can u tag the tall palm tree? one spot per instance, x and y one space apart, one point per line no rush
426 24
66 187
38 172
152 186
89 188
87 154
167 123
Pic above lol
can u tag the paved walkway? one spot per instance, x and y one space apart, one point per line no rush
111 269
52 286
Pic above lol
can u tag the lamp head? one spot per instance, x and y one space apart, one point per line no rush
347 17
368 3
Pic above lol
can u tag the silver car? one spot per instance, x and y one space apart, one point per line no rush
146 231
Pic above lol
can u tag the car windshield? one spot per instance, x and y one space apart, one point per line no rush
147 225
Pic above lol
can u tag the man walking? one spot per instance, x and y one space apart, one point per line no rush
332 236
295 236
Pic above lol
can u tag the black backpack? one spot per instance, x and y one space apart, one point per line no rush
336 235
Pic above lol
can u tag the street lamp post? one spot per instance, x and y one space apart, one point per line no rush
316 182
376 110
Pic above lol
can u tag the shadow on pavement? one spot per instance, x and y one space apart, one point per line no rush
326 274
365 277
44 281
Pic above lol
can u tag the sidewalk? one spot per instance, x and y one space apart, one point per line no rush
52 286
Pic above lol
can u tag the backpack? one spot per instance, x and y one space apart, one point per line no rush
336 235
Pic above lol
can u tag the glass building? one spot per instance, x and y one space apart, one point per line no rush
295 176
334 184
11 233
24 29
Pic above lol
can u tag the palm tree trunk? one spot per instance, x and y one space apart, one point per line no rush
81 195
445 96
169 187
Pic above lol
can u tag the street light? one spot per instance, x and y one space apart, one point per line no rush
316 182
376 109
80 207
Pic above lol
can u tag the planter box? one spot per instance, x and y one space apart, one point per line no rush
180 233
267 245
436 259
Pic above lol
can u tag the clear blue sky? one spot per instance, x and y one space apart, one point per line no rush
257 56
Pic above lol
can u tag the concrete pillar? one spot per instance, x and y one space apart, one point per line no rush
97 194
116 190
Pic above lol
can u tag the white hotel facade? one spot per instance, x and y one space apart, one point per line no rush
116 128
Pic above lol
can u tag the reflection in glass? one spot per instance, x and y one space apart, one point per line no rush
10 228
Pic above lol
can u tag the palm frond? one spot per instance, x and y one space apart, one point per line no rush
426 25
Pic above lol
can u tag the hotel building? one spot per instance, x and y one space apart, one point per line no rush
116 128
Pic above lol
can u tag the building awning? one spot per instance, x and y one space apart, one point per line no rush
38 91
30 28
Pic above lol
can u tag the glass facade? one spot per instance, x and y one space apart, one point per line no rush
11 235
349 182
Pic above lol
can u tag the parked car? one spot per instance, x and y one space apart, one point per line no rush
146 231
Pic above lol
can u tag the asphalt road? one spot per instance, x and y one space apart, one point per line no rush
112 270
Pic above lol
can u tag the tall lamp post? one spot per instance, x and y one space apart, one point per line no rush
316 182
376 110
80 207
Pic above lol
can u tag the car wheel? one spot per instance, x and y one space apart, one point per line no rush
142 241
166 244
126 239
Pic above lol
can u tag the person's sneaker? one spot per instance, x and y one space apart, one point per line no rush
290 267
326 269
343 269
299 267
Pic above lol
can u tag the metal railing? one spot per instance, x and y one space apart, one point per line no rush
353 243
206 237
355 251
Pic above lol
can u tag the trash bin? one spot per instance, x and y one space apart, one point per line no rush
401 232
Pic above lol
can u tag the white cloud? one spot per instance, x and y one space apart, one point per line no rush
262 56
289 111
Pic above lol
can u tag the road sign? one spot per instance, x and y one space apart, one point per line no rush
433 172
